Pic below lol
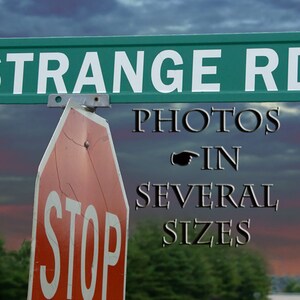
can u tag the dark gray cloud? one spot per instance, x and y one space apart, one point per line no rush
62 9
25 132
119 17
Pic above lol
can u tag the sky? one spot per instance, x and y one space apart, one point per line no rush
25 130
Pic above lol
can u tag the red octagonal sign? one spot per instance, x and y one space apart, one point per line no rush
80 222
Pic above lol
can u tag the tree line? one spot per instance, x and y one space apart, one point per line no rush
171 273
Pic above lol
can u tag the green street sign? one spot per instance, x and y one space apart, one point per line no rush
141 69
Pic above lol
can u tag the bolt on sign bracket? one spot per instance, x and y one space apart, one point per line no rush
89 101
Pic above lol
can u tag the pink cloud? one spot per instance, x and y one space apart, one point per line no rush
280 244
15 224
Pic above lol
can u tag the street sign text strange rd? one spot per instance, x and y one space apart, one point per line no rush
249 67
204 66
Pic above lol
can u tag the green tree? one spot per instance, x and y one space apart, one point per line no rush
293 286
14 268
252 271
191 272
225 272
172 273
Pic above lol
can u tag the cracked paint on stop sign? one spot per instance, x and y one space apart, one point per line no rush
80 168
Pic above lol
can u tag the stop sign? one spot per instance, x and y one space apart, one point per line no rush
79 237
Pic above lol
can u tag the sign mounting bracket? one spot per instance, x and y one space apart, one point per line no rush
88 101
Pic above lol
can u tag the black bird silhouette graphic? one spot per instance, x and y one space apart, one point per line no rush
183 158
